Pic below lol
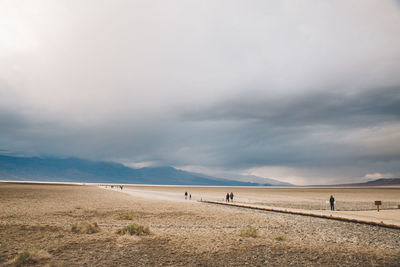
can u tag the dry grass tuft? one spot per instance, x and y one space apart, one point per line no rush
281 237
124 217
24 258
30 257
85 227
134 229
249 232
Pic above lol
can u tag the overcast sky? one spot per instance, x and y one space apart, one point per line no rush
306 92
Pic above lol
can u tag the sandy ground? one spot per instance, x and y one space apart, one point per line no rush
184 232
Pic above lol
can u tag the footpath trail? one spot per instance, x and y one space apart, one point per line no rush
383 218
159 195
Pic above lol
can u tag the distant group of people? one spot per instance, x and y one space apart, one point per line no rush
112 187
186 195
229 196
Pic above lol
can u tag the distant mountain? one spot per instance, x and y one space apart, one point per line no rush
377 182
87 171
257 179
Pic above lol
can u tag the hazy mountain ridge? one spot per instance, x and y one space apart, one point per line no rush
258 179
377 182
81 170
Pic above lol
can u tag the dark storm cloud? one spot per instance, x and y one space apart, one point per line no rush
316 130
350 109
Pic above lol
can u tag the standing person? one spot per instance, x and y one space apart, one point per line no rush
227 197
231 195
185 195
190 196
332 202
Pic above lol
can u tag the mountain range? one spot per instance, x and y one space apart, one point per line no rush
52 169
377 182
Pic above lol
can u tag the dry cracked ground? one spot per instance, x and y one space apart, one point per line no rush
38 219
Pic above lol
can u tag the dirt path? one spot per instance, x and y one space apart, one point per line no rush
162 195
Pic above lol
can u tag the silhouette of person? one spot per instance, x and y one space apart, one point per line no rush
186 195
227 197
332 202
190 196
231 195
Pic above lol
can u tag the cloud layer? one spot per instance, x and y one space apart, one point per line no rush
304 92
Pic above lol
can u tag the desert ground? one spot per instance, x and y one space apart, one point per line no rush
38 226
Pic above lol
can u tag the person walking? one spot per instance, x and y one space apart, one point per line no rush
231 195
227 197
332 202
186 195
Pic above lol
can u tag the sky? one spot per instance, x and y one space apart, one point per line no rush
306 92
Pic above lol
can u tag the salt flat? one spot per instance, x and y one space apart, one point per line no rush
354 203
347 199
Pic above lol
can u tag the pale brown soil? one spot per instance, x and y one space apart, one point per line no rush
183 233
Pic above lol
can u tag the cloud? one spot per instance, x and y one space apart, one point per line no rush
223 85
326 106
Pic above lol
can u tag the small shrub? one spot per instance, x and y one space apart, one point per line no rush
24 258
124 217
134 229
30 257
85 227
249 232
90 228
74 228
281 237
